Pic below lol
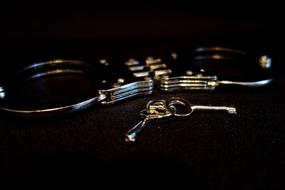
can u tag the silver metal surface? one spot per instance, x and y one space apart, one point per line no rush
144 75
201 81
52 68
155 109
173 107
56 110
230 110
130 90
218 49
246 84
171 84
179 83
175 102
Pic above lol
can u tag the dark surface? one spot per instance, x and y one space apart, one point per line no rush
212 150
215 149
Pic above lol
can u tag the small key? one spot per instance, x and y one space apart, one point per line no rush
131 135
182 108
155 109
177 107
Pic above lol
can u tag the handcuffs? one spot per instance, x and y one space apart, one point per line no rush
58 87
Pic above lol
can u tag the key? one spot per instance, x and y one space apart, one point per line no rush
230 110
177 107
182 108
155 109
132 134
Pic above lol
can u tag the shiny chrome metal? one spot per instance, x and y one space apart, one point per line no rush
265 62
130 90
46 69
132 62
173 107
55 63
214 57
55 72
179 107
170 84
56 110
120 91
2 92
187 108
219 49
141 74
131 135
230 110
175 103
137 68
150 60
245 84
155 109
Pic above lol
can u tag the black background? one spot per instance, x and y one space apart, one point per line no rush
214 150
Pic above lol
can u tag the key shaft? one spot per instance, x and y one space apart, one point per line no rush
132 134
230 110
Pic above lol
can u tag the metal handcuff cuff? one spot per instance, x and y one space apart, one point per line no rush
62 86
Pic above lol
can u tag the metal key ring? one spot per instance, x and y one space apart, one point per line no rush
179 107
159 108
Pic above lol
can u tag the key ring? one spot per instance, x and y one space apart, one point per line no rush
159 108
174 106
179 107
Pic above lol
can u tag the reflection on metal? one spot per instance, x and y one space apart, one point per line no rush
2 92
200 82
174 55
150 60
265 62
214 57
131 62
58 67
189 72
137 68
142 77
174 107
104 62
170 84
247 84
127 91
162 72
141 74
55 72
157 66
219 49
56 110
